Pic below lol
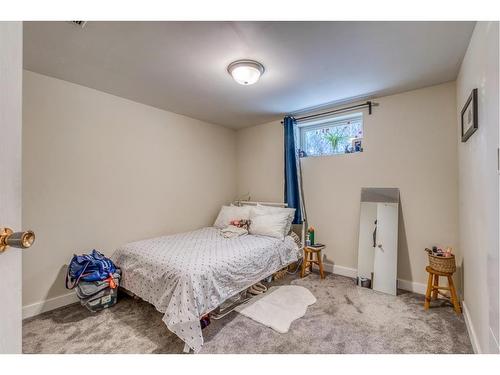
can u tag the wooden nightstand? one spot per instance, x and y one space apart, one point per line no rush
309 253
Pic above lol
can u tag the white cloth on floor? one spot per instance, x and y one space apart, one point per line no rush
278 307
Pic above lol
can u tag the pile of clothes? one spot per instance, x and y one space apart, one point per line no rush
95 279
236 228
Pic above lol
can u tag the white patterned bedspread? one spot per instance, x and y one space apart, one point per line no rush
189 274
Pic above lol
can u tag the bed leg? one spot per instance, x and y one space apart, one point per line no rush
186 349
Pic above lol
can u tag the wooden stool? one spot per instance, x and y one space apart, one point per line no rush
433 289
308 261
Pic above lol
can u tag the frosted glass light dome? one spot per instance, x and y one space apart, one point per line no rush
245 72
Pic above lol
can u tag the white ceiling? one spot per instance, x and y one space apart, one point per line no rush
181 66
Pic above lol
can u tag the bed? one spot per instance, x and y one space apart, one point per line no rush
187 275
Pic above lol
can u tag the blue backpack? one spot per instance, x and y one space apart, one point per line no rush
91 267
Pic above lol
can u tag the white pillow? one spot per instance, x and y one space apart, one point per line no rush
230 213
265 210
272 225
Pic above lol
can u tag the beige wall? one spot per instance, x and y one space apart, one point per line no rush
410 143
99 171
260 162
478 188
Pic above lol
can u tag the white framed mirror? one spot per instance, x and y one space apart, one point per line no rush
378 239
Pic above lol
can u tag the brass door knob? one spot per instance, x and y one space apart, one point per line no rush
21 240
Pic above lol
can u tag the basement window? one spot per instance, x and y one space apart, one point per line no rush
332 136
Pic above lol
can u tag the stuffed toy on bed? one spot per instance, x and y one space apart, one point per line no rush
241 223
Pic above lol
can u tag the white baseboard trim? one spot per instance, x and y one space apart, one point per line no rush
49 304
410 286
470 329
340 270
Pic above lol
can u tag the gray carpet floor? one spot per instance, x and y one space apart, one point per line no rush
345 319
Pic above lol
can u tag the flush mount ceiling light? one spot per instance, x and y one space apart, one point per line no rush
245 72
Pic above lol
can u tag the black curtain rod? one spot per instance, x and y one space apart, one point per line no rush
368 104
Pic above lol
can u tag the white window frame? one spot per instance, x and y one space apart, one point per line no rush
326 122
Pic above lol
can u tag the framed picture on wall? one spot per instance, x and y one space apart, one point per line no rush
469 116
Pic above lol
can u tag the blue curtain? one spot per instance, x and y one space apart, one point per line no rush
292 189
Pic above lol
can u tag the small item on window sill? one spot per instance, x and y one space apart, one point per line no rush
357 144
